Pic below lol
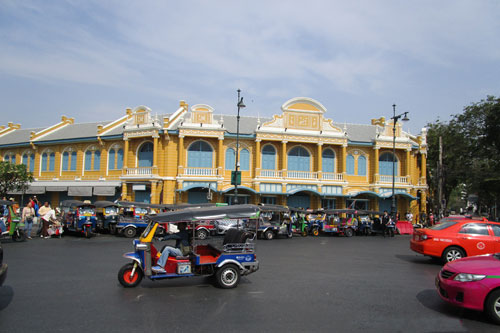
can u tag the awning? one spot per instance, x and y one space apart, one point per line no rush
35 190
239 188
80 191
104 190
57 188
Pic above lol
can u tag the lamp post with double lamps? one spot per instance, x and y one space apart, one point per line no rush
236 178
404 117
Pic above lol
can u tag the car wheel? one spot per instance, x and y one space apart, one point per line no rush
349 232
202 234
228 276
268 235
126 279
492 306
129 232
453 253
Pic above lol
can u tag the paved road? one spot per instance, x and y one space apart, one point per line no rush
309 284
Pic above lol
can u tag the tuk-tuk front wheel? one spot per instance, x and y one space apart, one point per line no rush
268 235
228 276
349 232
88 232
129 232
127 279
18 236
315 232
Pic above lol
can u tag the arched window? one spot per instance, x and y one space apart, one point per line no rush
32 162
73 161
97 160
65 161
111 159
230 159
25 160
362 166
328 161
88 160
244 160
52 161
145 158
44 161
268 157
350 165
9 157
298 159
119 159
200 155
385 164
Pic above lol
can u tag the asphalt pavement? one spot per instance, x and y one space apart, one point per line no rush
311 284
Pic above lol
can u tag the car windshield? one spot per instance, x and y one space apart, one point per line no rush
443 225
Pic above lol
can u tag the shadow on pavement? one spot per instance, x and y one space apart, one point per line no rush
431 300
421 260
6 296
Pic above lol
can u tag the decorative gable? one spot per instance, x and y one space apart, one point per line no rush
202 114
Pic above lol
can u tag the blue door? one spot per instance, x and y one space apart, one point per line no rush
299 200
196 196
143 196
386 204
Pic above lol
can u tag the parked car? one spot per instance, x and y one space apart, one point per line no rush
3 267
233 258
455 239
472 283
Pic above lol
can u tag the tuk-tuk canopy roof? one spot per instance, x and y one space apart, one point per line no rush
273 208
184 206
139 204
104 204
73 203
210 213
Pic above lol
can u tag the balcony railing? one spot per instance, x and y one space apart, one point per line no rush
200 172
141 171
271 174
301 175
333 176
397 179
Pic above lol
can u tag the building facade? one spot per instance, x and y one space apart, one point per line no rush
298 158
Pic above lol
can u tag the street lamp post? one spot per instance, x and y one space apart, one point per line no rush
237 163
395 120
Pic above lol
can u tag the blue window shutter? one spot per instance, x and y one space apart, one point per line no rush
298 159
13 159
200 155
32 162
385 165
88 160
230 159
268 158
244 160
52 161
350 165
328 161
44 162
73 161
25 160
111 159
97 160
65 161
119 159
146 155
362 166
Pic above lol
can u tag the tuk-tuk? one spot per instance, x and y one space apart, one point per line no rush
10 223
227 261
274 221
315 220
107 215
132 217
79 216
298 222
344 222
377 227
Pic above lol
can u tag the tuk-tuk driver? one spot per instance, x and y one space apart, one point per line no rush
182 247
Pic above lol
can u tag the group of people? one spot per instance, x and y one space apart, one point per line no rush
32 213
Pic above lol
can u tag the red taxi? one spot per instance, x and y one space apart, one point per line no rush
455 239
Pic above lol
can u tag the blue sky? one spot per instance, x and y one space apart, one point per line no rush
92 59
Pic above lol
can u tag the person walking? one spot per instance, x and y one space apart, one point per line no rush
44 219
385 221
27 218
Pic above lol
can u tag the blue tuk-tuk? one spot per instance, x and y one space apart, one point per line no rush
79 216
132 217
107 215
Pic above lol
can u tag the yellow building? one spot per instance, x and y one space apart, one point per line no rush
297 158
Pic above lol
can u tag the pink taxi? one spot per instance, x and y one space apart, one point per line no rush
472 283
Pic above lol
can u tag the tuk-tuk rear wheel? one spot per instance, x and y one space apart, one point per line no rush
129 281
228 276
315 232
18 236
88 232
349 232
129 232
268 235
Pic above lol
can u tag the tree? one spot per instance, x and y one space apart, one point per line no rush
471 150
13 177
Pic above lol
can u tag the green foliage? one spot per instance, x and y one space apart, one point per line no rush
13 177
471 151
